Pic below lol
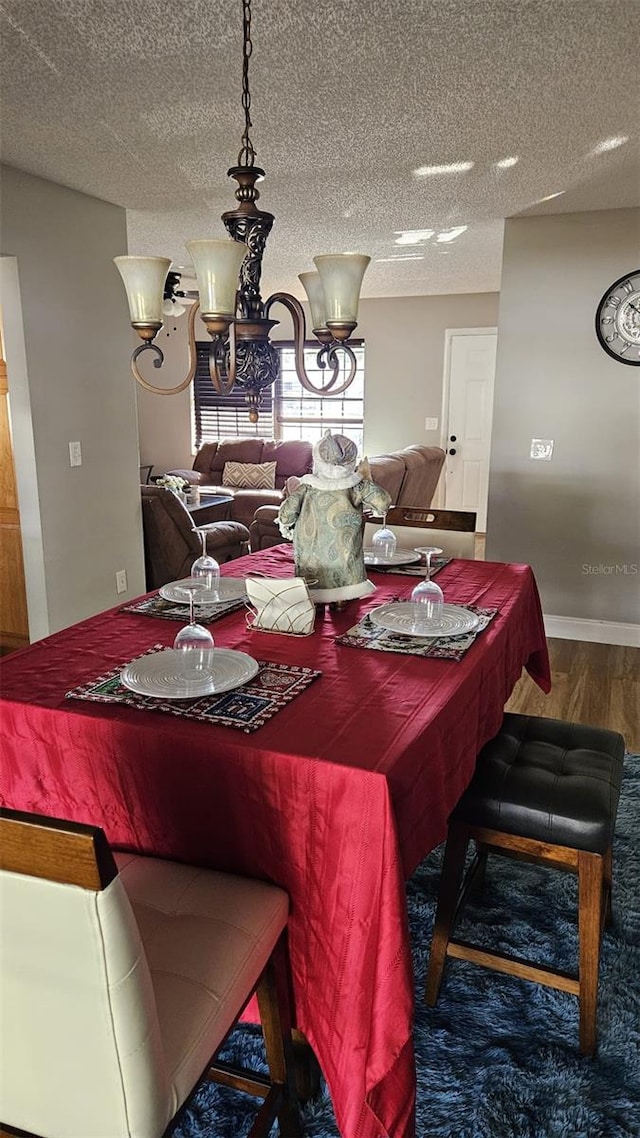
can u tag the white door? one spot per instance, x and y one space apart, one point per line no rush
468 389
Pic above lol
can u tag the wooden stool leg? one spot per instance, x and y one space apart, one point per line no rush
590 879
608 881
452 869
275 1014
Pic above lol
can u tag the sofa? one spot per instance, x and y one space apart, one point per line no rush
409 476
278 462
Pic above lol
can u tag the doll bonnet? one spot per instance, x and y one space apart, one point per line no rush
334 456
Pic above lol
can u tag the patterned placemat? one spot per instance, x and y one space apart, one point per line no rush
169 610
437 564
246 708
366 634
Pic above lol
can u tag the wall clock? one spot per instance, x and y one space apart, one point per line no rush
618 319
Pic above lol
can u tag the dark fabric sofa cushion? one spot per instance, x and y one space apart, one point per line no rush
234 450
205 458
293 457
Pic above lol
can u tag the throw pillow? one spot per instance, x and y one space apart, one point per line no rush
250 475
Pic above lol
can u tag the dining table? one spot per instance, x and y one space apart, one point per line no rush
336 797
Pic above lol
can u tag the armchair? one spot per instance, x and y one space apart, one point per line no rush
172 543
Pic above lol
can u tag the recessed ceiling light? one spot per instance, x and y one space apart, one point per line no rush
505 163
401 257
548 198
610 143
412 236
448 168
451 234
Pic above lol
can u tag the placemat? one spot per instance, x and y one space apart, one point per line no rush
366 634
169 610
437 564
246 708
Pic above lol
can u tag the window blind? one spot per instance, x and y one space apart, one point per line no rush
225 416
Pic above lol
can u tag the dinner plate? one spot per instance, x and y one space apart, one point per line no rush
229 589
158 674
398 617
400 557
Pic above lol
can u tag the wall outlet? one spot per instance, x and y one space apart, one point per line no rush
75 454
541 448
431 424
121 581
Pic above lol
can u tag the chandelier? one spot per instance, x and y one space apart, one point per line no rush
228 275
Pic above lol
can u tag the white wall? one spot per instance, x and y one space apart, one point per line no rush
575 519
82 523
404 344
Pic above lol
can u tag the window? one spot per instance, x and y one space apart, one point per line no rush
225 416
301 415
287 412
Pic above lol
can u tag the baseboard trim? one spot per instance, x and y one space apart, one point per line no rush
593 631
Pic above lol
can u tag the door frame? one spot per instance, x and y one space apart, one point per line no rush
24 454
449 333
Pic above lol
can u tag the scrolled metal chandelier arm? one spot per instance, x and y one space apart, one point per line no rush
326 357
159 360
217 352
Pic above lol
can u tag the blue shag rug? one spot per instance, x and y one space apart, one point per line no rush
498 1057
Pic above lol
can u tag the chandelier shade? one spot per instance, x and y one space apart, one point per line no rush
144 279
341 275
217 264
228 272
312 285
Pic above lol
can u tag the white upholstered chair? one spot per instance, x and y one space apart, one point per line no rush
454 531
120 978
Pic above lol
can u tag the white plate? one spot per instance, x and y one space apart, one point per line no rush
400 557
158 674
229 589
398 617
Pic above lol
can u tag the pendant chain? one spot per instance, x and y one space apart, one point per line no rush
247 154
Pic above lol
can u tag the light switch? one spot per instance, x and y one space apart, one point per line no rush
541 448
431 424
75 454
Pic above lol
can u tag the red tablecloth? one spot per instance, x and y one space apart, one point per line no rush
337 798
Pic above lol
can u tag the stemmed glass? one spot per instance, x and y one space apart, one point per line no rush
205 568
427 597
383 542
194 642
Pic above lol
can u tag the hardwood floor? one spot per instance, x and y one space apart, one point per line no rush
598 684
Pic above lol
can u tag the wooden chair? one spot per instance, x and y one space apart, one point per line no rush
452 530
122 976
544 791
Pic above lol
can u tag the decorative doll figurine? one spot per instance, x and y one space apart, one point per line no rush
323 516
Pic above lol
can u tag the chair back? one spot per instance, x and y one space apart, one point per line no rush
79 1035
452 530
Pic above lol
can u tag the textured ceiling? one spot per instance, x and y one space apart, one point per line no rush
138 102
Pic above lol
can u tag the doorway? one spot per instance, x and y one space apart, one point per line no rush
467 415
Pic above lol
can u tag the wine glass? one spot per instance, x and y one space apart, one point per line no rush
194 642
427 597
205 568
383 542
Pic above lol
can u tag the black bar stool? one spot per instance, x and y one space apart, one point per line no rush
544 791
